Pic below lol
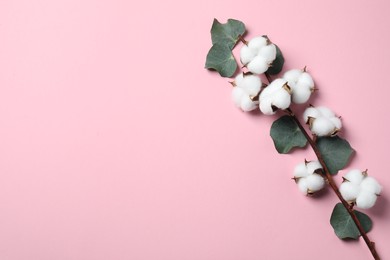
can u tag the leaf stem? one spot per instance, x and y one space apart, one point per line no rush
333 185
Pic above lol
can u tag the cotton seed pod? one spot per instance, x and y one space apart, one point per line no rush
307 177
276 95
301 84
246 88
322 121
360 189
258 54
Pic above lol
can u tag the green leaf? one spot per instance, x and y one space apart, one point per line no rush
335 151
343 224
221 59
227 33
277 64
286 134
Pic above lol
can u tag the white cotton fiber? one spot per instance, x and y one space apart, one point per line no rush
274 95
247 54
292 76
266 106
324 122
360 189
258 55
326 112
247 104
281 99
258 65
371 185
251 84
300 170
366 200
322 126
315 182
301 84
355 176
237 94
300 95
246 86
310 112
302 185
257 43
312 166
349 191
306 80
268 53
307 179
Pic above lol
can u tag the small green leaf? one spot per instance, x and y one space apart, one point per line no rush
286 134
343 224
335 151
227 33
277 64
221 59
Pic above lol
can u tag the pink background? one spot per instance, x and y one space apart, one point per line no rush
115 143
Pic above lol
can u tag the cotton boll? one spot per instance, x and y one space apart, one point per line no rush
258 65
303 186
258 55
268 52
310 112
247 54
355 176
300 95
313 166
274 95
349 191
366 200
371 185
315 182
300 170
237 94
247 104
322 126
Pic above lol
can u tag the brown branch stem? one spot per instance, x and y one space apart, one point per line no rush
333 185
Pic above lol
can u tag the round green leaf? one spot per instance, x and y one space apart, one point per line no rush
343 225
227 33
221 59
277 64
335 151
286 134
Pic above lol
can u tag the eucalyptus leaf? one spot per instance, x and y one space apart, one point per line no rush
343 224
227 33
335 151
221 59
286 134
277 64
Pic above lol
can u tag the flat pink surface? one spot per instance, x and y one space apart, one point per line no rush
116 143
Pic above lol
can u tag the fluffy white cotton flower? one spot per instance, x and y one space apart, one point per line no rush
360 189
301 84
322 121
246 87
275 96
258 54
307 178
